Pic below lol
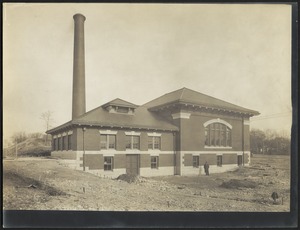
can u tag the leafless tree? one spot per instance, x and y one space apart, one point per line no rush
47 117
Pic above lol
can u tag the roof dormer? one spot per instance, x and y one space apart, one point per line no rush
120 106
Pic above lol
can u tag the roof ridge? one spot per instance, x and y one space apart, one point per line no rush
182 93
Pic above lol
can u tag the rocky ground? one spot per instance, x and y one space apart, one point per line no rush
47 184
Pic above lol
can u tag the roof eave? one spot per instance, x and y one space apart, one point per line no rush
183 102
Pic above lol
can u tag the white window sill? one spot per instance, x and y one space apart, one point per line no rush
217 147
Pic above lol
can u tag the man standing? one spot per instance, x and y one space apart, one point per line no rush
206 168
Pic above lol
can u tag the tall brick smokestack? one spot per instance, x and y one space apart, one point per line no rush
78 100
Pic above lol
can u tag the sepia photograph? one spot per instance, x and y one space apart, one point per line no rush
134 107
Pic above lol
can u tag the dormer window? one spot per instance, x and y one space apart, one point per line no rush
122 110
120 106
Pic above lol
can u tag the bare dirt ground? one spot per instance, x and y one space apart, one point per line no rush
47 184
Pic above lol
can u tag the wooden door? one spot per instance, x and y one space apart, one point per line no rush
132 164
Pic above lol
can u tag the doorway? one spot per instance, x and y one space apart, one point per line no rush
132 164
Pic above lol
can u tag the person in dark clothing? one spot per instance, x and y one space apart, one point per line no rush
206 168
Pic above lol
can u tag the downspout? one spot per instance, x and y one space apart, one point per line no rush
174 149
243 136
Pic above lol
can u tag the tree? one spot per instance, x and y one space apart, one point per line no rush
257 138
18 137
47 117
269 141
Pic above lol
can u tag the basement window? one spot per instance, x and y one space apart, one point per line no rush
108 163
154 162
196 161
239 160
219 161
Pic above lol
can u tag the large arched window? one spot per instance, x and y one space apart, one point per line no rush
217 134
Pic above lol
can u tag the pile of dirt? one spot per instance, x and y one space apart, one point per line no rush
235 183
130 178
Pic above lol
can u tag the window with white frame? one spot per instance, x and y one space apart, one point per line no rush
217 134
196 161
154 142
107 141
132 142
108 163
154 162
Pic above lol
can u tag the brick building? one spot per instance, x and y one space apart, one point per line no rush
174 134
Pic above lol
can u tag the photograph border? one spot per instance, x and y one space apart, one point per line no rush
113 219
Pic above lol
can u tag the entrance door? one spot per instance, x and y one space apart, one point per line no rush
132 164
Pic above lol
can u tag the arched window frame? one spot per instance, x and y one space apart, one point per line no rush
218 134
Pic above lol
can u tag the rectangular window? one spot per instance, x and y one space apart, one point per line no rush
135 142
107 141
111 141
154 162
219 161
108 163
207 142
132 142
69 142
222 135
239 160
128 142
59 143
150 142
103 141
212 134
54 144
122 110
156 142
196 161
217 134
228 137
64 143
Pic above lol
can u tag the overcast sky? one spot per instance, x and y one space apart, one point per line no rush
137 52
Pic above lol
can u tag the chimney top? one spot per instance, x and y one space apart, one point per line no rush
79 16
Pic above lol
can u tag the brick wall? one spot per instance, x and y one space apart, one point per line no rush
166 160
193 136
93 161
188 160
229 158
145 161
119 161
210 158
92 140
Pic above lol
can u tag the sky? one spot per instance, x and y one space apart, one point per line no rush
138 52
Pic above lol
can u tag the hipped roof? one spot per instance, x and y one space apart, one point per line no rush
142 119
145 116
188 96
